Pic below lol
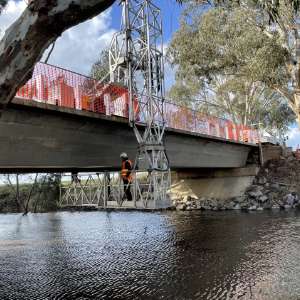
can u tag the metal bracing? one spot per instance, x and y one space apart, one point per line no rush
106 190
89 191
136 61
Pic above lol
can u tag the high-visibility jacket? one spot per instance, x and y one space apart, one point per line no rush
126 170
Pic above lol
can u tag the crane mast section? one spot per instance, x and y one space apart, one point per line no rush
136 61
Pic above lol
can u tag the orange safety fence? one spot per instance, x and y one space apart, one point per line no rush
57 86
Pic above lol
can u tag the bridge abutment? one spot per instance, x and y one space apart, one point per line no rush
220 184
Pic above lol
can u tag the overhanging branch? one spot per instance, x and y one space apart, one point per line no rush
25 41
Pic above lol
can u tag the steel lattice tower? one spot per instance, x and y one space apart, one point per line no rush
136 61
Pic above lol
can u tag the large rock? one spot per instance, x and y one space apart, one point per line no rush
180 190
262 180
267 205
275 206
181 206
245 205
289 199
263 198
239 199
273 196
275 187
254 188
255 194
237 207
253 207
230 205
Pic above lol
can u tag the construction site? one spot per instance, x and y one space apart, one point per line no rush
171 171
135 92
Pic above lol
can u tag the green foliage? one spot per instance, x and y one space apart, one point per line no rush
271 7
221 42
2 4
277 117
100 69
46 194
44 197
224 57
7 200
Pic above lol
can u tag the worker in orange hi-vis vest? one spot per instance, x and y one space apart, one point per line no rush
126 175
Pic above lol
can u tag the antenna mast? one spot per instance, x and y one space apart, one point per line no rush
136 61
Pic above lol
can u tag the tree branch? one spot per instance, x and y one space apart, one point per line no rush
41 24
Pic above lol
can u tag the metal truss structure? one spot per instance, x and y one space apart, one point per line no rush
136 61
89 191
106 190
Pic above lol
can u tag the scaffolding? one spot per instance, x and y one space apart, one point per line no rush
107 190
136 61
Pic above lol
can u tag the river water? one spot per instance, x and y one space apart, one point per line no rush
137 255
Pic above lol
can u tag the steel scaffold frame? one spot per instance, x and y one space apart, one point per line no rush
136 61
106 190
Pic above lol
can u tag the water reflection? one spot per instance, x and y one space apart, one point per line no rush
133 255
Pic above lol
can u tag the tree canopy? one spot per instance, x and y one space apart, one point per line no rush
100 68
2 4
226 58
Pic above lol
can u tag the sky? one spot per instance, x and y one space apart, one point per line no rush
79 47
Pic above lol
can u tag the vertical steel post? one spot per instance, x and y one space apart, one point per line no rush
136 61
261 156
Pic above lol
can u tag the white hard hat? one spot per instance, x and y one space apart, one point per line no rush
123 155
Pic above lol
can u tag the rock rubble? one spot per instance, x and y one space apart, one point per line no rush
277 186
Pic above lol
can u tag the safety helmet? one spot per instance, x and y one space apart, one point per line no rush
123 155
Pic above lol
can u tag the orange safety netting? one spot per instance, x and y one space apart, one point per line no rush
56 86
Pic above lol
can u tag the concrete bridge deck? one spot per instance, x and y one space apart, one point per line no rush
41 137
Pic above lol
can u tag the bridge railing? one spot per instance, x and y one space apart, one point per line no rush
57 86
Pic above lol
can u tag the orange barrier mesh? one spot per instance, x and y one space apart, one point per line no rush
56 86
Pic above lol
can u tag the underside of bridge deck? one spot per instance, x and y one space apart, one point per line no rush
39 137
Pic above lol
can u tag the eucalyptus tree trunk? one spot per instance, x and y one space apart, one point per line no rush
40 25
297 106
15 190
39 194
26 204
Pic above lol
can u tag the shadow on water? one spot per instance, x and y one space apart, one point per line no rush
135 255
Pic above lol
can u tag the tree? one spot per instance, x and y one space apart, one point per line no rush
278 18
270 6
226 61
2 4
40 25
34 193
100 69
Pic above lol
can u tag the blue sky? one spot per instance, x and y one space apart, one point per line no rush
170 13
80 46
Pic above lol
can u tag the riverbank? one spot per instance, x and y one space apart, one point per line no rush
277 186
39 196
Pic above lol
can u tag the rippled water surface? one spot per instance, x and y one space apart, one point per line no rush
136 255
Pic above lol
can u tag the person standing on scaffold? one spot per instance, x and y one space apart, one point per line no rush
126 175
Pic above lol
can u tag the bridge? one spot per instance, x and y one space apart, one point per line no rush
64 121
61 121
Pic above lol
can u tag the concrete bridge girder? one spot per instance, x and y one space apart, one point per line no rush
38 136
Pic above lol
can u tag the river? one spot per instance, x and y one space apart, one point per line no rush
140 255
